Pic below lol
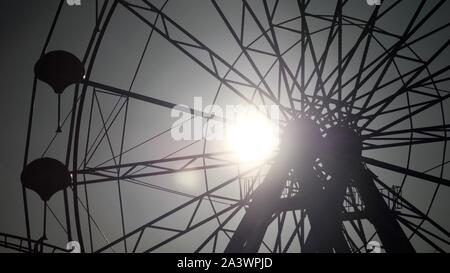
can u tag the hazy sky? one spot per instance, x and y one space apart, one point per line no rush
168 74
23 28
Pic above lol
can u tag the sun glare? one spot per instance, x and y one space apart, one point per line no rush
252 137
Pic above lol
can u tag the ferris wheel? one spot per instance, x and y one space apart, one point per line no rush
361 161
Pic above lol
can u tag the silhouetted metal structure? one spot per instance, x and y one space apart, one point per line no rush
322 192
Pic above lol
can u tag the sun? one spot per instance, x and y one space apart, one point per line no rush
252 137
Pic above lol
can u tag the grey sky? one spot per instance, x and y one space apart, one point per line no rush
168 74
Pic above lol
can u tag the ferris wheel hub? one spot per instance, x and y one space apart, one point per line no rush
303 139
300 139
342 146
